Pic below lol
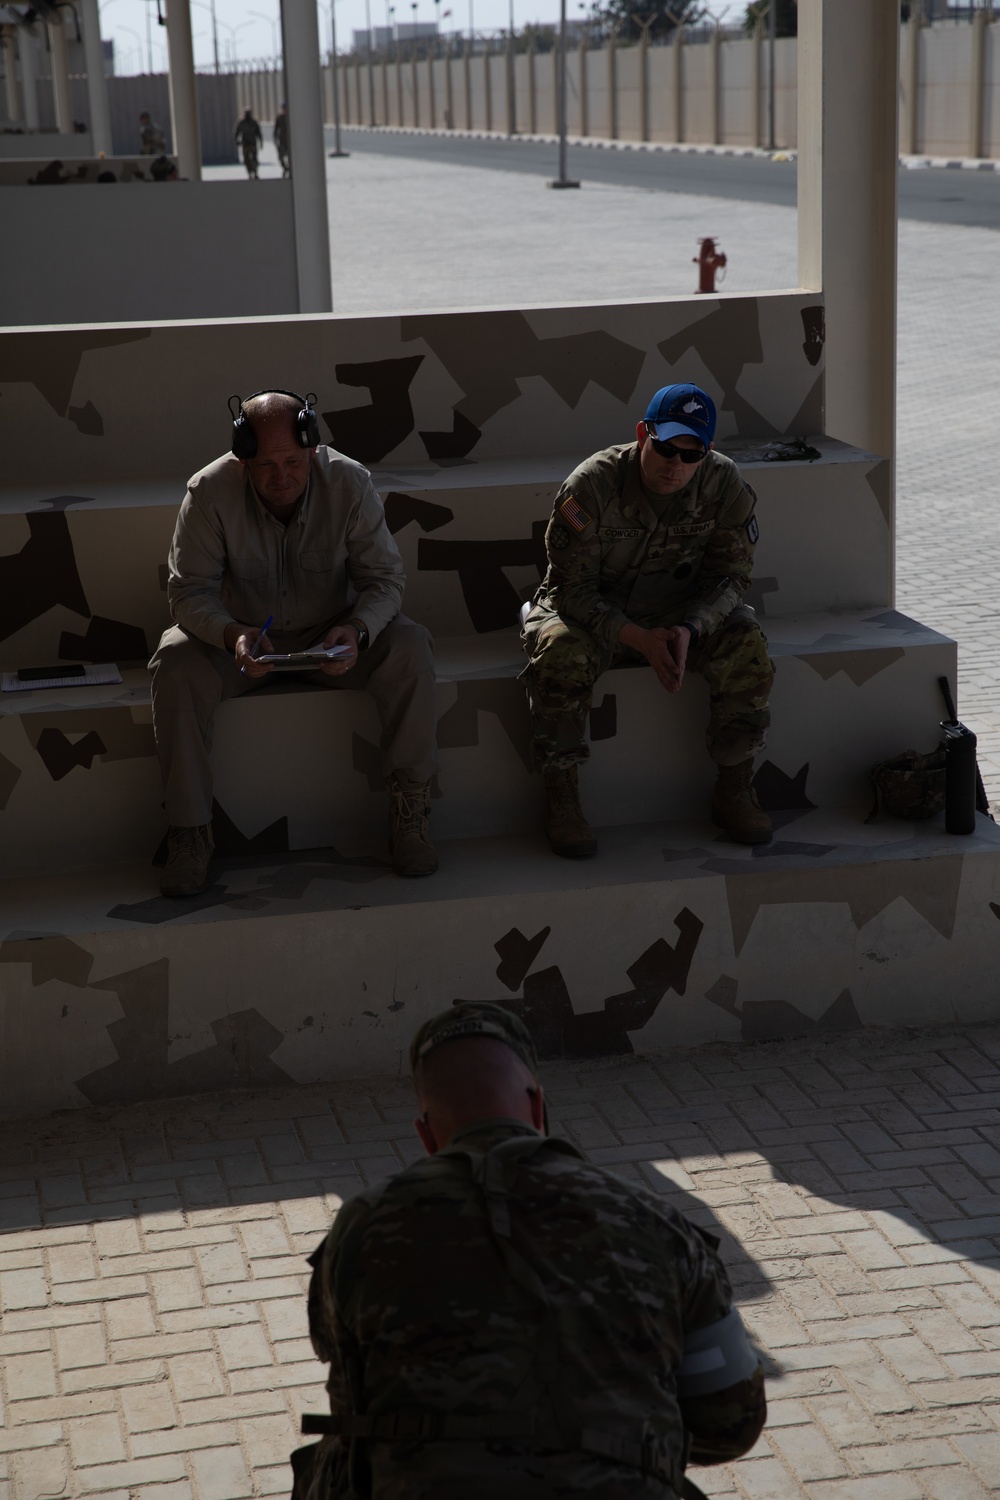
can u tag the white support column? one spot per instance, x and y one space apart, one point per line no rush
59 56
27 51
300 37
183 99
10 75
97 83
848 85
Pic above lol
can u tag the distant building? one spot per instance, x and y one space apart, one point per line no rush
384 36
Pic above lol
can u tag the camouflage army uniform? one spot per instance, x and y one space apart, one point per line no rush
506 1319
613 560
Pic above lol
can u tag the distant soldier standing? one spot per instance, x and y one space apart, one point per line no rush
505 1321
250 138
151 138
650 551
281 138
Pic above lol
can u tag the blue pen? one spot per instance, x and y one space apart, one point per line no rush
253 649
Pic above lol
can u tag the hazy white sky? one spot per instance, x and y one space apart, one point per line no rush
249 30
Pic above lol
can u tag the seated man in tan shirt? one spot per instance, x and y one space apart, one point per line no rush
286 528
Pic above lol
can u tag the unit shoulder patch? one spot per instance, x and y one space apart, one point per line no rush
752 531
558 538
573 512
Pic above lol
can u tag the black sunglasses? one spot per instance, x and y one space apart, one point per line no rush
670 450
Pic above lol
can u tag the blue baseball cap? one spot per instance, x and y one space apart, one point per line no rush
680 409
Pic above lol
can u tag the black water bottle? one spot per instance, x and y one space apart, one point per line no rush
959 778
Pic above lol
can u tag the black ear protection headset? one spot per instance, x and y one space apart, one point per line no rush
244 437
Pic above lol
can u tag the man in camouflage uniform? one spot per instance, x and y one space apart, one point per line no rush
503 1318
249 138
650 551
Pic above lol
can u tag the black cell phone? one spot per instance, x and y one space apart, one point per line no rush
41 674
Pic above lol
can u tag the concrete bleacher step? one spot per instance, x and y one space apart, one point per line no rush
84 566
299 967
298 767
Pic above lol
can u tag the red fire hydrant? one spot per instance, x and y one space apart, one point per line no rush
708 260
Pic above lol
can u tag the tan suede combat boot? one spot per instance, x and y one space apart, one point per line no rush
189 853
567 829
409 828
735 807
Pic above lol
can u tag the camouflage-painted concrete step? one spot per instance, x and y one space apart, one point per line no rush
295 968
471 536
79 783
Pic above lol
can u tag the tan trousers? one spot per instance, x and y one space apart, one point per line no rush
191 679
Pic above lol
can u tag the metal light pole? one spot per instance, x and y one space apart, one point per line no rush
215 34
511 76
772 20
149 43
336 83
562 181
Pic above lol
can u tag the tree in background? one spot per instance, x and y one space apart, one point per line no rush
786 19
628 17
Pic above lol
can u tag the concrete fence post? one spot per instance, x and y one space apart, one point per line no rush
714 99
557 76
307 152
910 113
644 84
431 98
59 59
532 96
977 83
183 98
677 79
612 86
581 54
488 85
756 84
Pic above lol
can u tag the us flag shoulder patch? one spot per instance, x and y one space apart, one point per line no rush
575 514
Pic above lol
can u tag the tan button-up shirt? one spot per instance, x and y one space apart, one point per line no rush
231 561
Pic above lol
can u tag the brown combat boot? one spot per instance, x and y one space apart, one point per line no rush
735 807
189 853
409 828
568 831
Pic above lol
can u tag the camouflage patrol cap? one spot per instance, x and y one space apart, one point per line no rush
474 1019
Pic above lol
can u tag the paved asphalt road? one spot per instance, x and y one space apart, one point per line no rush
936 195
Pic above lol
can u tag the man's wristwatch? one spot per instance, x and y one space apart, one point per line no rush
694 628
363 637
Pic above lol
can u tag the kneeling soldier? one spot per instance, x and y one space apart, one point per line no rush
650 551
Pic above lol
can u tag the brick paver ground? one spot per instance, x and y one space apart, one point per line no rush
152 1273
